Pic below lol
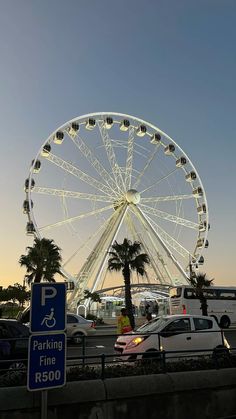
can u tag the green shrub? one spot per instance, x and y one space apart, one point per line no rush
141 367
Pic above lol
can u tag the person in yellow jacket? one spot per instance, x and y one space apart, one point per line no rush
123 323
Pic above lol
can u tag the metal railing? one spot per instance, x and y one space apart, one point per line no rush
83 358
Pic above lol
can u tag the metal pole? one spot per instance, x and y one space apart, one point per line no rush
103 357
44 404
83 349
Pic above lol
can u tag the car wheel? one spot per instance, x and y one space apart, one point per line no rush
78 338
152 354
221 352
224 322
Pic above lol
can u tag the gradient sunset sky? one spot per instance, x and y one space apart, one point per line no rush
170 62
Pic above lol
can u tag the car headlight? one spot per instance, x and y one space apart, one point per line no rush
226 343
136 341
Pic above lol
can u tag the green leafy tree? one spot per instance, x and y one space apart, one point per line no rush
93 297
127 257
18 293
4 294
200 282
42 261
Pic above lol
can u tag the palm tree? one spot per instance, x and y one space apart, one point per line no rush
126 257
42 261
199 283
93 297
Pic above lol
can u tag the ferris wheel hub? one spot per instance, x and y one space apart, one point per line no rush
132 196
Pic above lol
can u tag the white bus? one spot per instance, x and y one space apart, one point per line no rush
221 303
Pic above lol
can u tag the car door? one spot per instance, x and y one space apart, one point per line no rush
72 323
207 334
176 336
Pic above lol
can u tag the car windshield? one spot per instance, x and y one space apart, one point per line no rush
153 325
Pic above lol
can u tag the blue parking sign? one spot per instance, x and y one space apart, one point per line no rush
48 307
46 361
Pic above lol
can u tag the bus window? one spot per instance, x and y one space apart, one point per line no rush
189 293
227 295
210 294
175 292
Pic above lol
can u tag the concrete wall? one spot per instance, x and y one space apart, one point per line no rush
186 395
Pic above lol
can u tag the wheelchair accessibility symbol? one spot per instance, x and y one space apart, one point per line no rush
49 319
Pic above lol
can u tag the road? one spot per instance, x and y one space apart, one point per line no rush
103 343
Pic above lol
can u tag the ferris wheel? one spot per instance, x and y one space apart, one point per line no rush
105 176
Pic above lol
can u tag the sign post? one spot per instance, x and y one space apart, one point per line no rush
47 344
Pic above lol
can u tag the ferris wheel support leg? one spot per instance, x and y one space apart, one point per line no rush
178 266
97 259
136 235
116 230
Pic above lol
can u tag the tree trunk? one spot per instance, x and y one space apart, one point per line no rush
38 277
204 305
128 298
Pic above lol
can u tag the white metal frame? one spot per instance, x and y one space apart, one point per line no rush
110 187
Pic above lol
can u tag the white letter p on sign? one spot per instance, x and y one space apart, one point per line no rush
47 292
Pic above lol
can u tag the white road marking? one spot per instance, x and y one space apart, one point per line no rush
100 346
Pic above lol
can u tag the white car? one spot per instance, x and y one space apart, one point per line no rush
172 333
77 327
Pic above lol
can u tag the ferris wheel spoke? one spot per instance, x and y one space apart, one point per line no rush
72 194
75 171
167 198
145 220
129 160
169 217
156 242
111 156
86 242
149 161
87 152
77 217
169 240
159 180
137 236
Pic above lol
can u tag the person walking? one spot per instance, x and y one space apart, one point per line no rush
123 323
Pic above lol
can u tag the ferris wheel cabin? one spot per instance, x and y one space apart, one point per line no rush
156 138
36 166
190 177
141 131
170 149
90 124
30 230
108 122
46 150
58 138
27 185
181 162
124 125
26 206
73 129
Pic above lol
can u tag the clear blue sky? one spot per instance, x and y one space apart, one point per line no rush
172 63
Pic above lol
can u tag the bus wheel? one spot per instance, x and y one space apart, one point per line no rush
224 322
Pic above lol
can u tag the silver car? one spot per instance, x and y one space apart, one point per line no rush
77 327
